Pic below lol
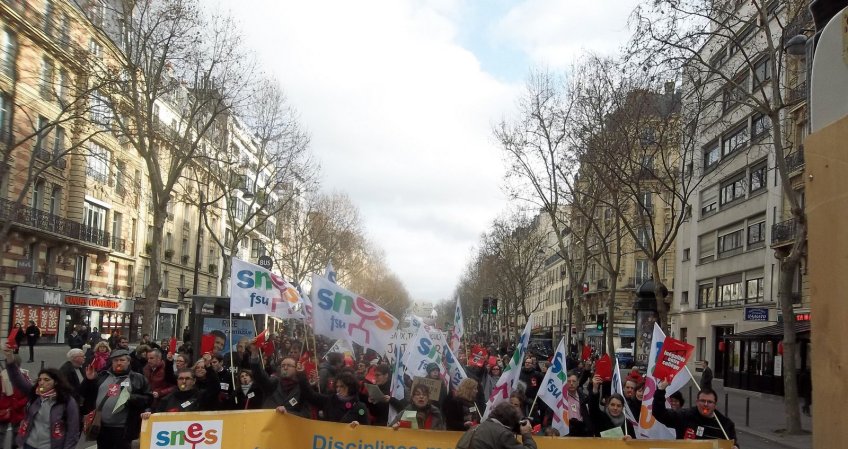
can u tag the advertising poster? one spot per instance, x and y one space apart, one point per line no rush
219 329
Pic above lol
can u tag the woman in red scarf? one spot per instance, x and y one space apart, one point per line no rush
59 428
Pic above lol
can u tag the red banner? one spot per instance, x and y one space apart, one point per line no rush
46 318
673 357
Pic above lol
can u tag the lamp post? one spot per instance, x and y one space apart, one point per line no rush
201 212
561 299
181 291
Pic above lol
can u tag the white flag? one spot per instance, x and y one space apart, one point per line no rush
255 290
330 272
648 426
618 388
458 328
397 389
341 346
338 313
553 390
506 383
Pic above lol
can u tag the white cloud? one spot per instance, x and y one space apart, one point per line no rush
554 32
400 119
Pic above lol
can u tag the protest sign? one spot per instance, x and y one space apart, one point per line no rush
434 385
674 354
269 429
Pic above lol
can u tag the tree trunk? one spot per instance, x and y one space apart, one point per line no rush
788 268
226 268
608 329
150 305
660 291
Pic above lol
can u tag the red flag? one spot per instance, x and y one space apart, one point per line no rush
371 376
11 342
207 344
603 368
587 352
479 356
673 357
172 345
260 339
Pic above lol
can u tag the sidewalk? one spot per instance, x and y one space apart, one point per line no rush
766 415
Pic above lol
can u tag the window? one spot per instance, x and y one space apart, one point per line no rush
98 163
757 179
645 203
729 290
95 48
760 125
711 156
730 243
184 248
96 11
684 299
5 104
734 141
686 253
100 109
55 200
642 237
10 52
643 271
80 271
754 290
756 235
732 190
762 71
38 195
48 17
59 142
46 76
705 296
117 224
706 248
130 276
41 137
146 279
113 277
255 245
94 216
701 348
735 93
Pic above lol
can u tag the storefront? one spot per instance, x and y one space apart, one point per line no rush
56 312
754 360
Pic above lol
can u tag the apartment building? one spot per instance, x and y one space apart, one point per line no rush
726 299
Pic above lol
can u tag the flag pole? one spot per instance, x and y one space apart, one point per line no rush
233 373
715 415
315 354
256 333
530 413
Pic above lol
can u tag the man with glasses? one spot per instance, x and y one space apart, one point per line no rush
197 391
700 422
281 392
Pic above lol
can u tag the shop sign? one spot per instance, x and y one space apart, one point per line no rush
756 313
38 296
46 318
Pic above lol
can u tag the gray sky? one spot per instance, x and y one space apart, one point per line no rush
400 97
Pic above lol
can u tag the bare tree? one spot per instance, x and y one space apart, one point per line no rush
735 48
181 71
320 229
542 168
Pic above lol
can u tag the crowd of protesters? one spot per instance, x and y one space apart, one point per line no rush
127 385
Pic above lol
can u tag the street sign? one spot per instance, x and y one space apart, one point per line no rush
756 313
265 262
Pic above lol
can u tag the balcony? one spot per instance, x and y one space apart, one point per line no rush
60 163
783 233
797 93
119 245
81 284
795 160
45 221
603 284
45 279
42 154
96 175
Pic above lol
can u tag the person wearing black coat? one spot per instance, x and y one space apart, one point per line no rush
460 410
612 415
20 337
700 422
33 333
379 409
499 431
247 394
343 406
282 392
197 391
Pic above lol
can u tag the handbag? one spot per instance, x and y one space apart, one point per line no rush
91 421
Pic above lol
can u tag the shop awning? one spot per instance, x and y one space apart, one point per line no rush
773 331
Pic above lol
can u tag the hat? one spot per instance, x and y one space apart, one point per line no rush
432 367
119 353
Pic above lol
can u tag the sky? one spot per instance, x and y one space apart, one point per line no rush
400 98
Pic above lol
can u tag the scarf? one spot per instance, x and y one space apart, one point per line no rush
617 421
287 384
51 393
245 388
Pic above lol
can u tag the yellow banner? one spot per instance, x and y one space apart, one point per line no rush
266 429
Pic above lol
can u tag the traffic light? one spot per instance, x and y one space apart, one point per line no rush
600 323
486 305
493 306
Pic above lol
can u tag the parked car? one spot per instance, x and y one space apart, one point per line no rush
625 357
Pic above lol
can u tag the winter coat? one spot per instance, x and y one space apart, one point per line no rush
279 392
162 379
458 411
690 424
139 401
64 417
12 407
32 335
379 411
334 408
202 398
601 422
432 419
491 434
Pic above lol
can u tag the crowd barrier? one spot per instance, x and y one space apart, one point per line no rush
266 429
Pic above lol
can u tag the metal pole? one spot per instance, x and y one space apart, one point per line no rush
748 411
690 394
726 404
